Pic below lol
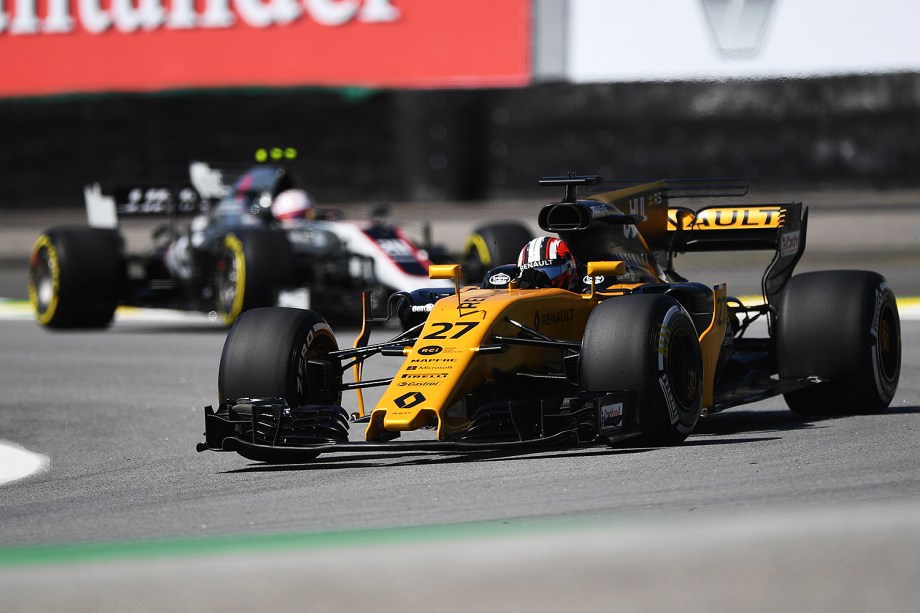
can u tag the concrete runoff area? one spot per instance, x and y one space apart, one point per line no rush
802 559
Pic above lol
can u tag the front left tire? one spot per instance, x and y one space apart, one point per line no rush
266 352
646 344
75 276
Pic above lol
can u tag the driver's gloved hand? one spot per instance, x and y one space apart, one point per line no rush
531 278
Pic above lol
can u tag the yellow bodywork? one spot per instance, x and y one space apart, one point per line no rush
456 353
445 364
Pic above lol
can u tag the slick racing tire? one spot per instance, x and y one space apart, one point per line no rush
266 352
75 276
493 245
252 265
646 344
842 326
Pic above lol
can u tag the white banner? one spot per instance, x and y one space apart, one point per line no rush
650 40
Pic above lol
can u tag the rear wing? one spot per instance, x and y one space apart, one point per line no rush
773 227
104 204
667 230
208 185
643 204
214 182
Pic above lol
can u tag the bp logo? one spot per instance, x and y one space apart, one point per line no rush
409 400
429 350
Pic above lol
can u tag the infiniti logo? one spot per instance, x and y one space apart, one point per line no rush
738 26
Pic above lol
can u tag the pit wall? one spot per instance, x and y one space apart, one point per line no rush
399 145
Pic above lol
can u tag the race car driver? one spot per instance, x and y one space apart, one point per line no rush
547 262
292 206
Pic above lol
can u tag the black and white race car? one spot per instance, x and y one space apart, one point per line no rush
232 241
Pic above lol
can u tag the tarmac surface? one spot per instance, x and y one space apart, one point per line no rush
760 510
866 230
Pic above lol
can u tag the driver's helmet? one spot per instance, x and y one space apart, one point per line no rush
550 256
293 205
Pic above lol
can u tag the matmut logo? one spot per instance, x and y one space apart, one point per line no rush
58 17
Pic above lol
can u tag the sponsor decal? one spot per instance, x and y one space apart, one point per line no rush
396 248
789 243
418 384
430 360
426 375
597 280
409 400
611 415
637 206
733 218
500 279
552 318
302 367
429 350
57 46
536 264
305 353
668 397
422 308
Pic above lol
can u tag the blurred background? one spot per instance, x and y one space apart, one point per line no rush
413 100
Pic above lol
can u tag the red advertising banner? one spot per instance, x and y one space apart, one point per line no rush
60 46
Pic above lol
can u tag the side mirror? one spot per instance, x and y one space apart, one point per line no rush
447 271
444 271
604 269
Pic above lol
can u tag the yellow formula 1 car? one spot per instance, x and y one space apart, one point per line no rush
631 350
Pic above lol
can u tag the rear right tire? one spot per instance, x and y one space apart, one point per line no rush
842 326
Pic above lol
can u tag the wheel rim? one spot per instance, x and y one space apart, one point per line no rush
478 259
231 279
683 372
887 347
44 280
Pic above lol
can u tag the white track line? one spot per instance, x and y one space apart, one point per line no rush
908 308
17 462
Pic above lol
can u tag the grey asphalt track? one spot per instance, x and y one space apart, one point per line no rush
756 498
759 510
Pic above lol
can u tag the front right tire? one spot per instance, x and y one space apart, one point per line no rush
252 265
